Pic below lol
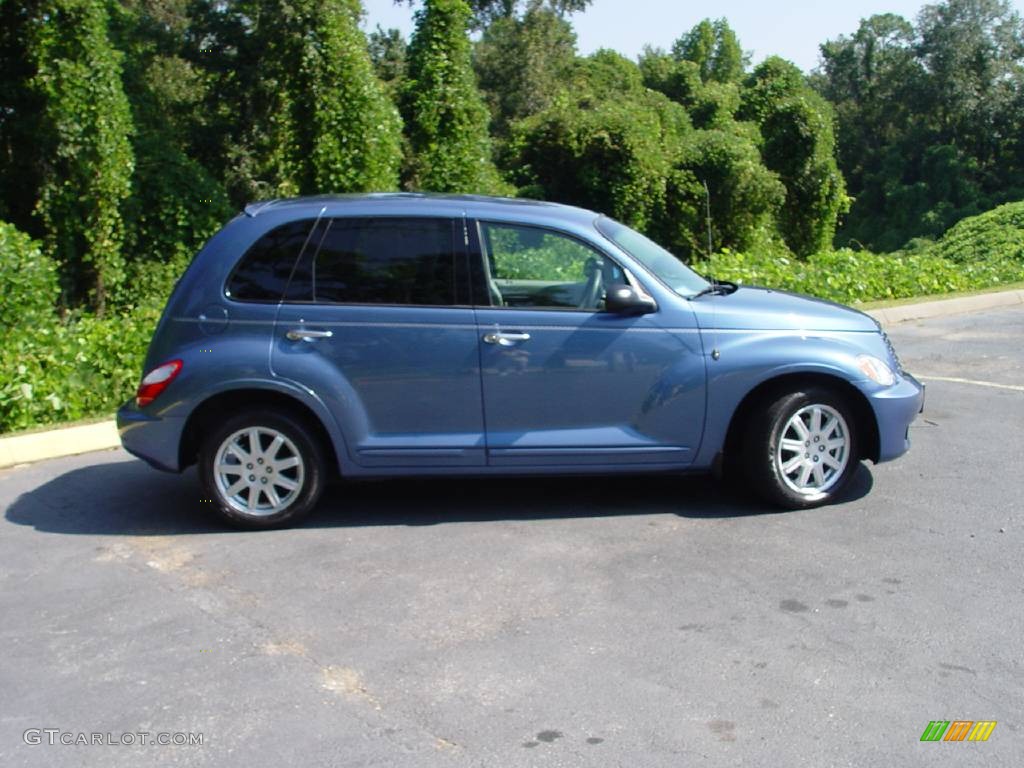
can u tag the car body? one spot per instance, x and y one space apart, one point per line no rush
409 334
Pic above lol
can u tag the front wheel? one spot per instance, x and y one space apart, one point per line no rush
262 469
801 450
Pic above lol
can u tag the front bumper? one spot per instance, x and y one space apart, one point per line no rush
151 437
895 409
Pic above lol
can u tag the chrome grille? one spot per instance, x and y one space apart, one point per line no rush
894 358
892 350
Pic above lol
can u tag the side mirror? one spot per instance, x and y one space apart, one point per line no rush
624 299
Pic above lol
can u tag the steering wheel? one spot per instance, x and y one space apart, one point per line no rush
592 290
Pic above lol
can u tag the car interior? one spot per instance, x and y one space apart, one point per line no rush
531 267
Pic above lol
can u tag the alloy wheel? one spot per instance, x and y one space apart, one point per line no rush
813 450
259 471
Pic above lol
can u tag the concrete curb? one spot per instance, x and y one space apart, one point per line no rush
69 441
944 307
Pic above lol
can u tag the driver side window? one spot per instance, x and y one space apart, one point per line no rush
530 267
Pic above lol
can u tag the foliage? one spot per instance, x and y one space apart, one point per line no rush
715 50
979 252
20 113
612 154
995 235
929 118
129 131
445 116
799 145
849 276
355 144
29 278
297 107
175 202
388 50
85 129
487 12
710 104
174 208
744 196
522 64
66 371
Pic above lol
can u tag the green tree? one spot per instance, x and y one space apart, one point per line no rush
175 202
605 143
873 80
21 108
715 49
929 118
610 143
295 98
522 63
387 52
710 104
799 145
487 11
745 197
355 144
445 116
85 131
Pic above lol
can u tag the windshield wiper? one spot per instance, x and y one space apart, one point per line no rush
717 287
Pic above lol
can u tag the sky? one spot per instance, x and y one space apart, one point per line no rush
793 30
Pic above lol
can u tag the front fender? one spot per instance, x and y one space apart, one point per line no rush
748 359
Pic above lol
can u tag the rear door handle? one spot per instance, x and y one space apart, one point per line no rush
503 339
305 334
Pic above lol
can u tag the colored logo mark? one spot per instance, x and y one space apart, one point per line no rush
958 730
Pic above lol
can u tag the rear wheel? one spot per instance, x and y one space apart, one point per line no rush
801 450
262 469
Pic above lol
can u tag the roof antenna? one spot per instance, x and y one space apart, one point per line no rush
707 209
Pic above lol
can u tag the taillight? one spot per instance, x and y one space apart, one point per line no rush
156 381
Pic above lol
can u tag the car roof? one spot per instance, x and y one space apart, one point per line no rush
384 203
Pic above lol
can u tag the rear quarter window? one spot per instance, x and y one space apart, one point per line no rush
262 274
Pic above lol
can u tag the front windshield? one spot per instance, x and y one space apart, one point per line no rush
662 264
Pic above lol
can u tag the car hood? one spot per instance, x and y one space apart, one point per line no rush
765 309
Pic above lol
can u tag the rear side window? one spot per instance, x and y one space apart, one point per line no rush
262 274
409 261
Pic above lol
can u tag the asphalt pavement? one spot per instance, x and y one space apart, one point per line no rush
620 621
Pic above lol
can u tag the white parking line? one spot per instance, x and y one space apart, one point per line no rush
954 380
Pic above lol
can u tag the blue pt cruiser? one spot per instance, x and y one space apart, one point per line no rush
401 334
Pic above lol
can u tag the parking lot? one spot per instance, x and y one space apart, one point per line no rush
633 621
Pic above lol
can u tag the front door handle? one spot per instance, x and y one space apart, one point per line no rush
505 339
305 334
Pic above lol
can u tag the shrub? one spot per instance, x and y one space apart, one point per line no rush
64 371
856 276
995 235
29 279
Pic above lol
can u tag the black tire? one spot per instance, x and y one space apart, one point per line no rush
761 461
306 445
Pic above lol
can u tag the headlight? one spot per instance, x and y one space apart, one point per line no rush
876 370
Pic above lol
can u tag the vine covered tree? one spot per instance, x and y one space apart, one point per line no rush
355 141
85 131
799 145
445 116
298 104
